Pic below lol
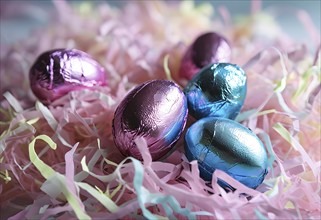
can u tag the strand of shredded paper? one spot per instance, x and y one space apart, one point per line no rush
60 161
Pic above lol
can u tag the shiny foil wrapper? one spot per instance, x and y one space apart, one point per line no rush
217 90
219 143
156 110
208 48
57 72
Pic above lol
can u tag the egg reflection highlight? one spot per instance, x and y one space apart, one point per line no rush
156 110
220 143
57 72
217 90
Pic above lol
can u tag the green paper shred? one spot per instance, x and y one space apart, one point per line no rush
282 131
49 173
305 82
166 68
268 111
72 199
83 175
5 174
45 170
102 198
106 178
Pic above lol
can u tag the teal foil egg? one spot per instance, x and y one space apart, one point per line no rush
220 143
217 90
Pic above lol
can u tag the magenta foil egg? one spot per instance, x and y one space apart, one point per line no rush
156 110
57 72
208 48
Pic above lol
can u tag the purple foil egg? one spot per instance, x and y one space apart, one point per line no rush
156 110
57 72
206 49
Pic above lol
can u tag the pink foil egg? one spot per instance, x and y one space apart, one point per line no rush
57 72
156 110
206 49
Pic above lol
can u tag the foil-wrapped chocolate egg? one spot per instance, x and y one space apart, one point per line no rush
217 90
220 143
206 49
156 110
57 72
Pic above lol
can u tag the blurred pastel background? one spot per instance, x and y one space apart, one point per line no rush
19 18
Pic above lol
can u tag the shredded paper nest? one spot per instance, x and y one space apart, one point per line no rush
59 161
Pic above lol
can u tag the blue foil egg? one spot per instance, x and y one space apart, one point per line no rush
220 143
156 110
217 90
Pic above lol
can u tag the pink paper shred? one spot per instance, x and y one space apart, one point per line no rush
282 106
